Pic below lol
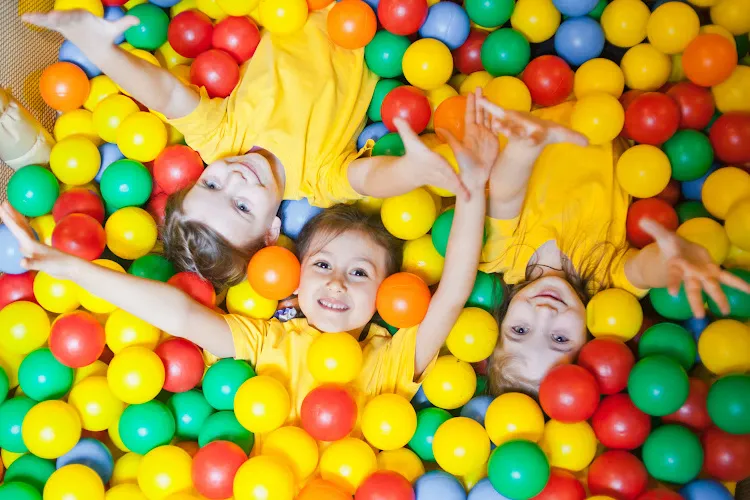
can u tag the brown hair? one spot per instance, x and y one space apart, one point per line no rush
195 247
339 219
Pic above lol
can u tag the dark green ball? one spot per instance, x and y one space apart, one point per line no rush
428 421
670 340
222 380
190 410
18 491
385 53
224 426
153 267
4 385
151 33
671 307
687 210
12 413
690 154
598 10
381 90
487 292
441 231
125 183
658 385
505 52
739 301
146 426
518 469
743 45
489 13
42 377
672 453
31 470
389 145
729 404
33 190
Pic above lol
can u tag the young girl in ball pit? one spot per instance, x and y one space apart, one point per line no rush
287 131
556 229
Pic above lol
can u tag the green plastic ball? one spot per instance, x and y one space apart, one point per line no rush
441 231
489 13
673 453
518 469
222 380
658 385
224 426
481 385
153 267
384 54
487 292
42 377
743 44
670 340
190 410
389 145
739 301
505 52
690 210
125 183
690 154
598 10
671 307
4 385
729 404
146 426
31 470
381 90
33 190
151 33
12 413
428 421
18 491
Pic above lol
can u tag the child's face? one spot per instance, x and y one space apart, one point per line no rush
545 326
238 197
340 280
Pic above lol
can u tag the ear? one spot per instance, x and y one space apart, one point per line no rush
272 235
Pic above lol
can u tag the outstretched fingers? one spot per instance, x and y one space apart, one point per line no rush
730 279
693 290
16 224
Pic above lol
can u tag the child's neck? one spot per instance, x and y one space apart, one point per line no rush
549 259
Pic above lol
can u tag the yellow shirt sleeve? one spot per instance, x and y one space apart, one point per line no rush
332 184
499 238
248 335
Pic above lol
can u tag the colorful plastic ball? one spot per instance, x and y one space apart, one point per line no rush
690 154
51 429
24 327
141 136
282 16
599 117
372 132
732 94
190 410
352 24
78 201
64 86
709 234
409 104
153 267
318 489
549 79
224 426
33 190
670 306
669 340
439 484
264 477
673 453
384 55
183 364
328 413
76 122
131 233
274 272
658 385
461 446
518 469
729 134
473 337
238 36
110 113
645 68
449 115
177 167
505 52
262 404
126 470
709 59
569 393
164 471
726 455
215 467
651 208
619 425
427 63
295 214
450 384
334 358
731 15
385 485
96 404
402 461
569 446
42 377
739 301
136 375
447 22
102 87
652 118
467 58
10 253
296 447
598 75
614 313
428 422
737 225
536 19
729 404
696 105
672 26
514 416
151 32
74 482
625 22
75 160
618 474
56 295
483 490
146 426
421 258
199 289
91 453
388 422
579 39
242 299
122 330
508 92
12 415
79 235
643 171
562 485
76 339
31 470
17 490
190 33
236 7
707 489
347 463
15 288
402 17
403 299
223 379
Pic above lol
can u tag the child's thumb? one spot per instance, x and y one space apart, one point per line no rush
125 23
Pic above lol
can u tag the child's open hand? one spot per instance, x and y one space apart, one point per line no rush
691 264
81 27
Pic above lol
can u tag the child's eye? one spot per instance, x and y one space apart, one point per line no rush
361 273
520 330
560 339
210 185
322 265
242 207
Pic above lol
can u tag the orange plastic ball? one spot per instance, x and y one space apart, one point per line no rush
318 4
709 59
352 24
318 489
403 299
273 272
64 86
450 116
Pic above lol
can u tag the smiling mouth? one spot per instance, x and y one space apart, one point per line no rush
550 294
252 170
333 305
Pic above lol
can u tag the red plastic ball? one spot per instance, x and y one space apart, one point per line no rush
726 457
569 393
157 207
385 485
190 32
199 289
617 474
660 495
730 137
652 118
610 361
177 167
409 104
328 413
114 3
402 300
238 36
619 425
80 235
214 468
78 201
76 339
694 413
352 24
671 193
15 287
274 272
468 57
562 485
217 71
650 208
696 105
549 79
183 364
402 17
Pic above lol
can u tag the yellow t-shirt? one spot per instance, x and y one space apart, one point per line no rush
301 97
574 199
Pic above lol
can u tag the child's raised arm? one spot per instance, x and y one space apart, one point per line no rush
475 156
159 304
154 87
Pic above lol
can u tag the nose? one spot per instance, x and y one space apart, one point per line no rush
546 305
336 284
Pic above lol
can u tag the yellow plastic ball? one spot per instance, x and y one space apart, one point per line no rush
733 15
625 21
410 215
96 403
135 375
237 7
110 113
264 478
169 58
347 462
114 435
614 313
514 416
476 80
508 92
262 404
427 64
672 26
456 80
599 117
677 73
242 299
733 94
93 6
97 368
44 225
402 461
473 337
131 233
125 491
76 122
55 295
446 152
643 171
296 447
369 205
436 97
182 6
718 30
74 482
598 75
450 384
92 302
133 3
723 188
645 68
421 258
737 225
126 469
102 87
8 457
388 422
211 9
737 257
142 136
164 471
51 429
122 330
707 233
724 347
75 160
10 362
24 327
283 16
536 19
461 446
569 446
334 358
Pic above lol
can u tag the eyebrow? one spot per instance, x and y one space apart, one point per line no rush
329 254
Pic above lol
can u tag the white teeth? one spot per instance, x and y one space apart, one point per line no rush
330 305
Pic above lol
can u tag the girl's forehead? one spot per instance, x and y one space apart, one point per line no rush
352 245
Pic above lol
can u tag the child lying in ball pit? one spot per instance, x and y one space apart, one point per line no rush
287 131
556 229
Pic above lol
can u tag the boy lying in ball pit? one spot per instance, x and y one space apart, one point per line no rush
287 131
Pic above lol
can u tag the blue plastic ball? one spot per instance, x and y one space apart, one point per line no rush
71 53
691 190
438 484
447 22
373 131
93 454
113 14
373 4
477 408
165 4
575 8
579 39
420 401
484 490
295 214
705 489
109 153
10 253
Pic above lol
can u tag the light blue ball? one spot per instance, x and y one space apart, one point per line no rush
691 190
574 8
438 484
295 214
93 454
165 4
72 54
373 131
420 401
484 490
476 409
447 22
10 252
109 153
373 4
579 39
113 14
705 489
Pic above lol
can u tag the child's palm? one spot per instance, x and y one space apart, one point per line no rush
80 26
